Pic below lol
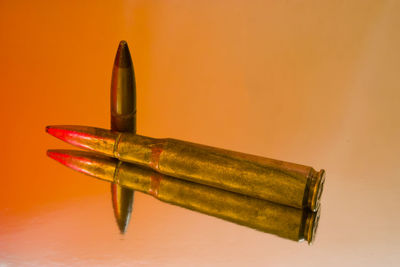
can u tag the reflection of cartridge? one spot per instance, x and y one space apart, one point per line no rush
123 119
284 221
273 180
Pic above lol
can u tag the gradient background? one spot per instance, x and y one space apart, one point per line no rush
311 82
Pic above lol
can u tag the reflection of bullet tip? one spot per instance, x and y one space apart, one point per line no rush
92 164
122 200
57 155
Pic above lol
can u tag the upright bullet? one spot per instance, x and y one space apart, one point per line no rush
281 182
123 92
281 220
123 119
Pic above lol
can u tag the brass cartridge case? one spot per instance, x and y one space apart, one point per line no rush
123 119
280 220
281 182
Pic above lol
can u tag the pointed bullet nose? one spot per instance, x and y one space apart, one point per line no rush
53 131
123 91
57 155
61 132
123 58
89 163
69 158
91 138
122 200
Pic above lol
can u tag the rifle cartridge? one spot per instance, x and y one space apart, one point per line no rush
287 222
281 182
123 119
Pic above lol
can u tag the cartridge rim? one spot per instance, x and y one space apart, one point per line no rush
312 225
317 186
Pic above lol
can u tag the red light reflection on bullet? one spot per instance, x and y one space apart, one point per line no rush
71 161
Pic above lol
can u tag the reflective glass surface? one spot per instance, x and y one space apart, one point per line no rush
315 83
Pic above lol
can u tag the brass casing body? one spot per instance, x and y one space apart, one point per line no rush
281 220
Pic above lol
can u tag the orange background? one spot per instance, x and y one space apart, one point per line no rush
311 82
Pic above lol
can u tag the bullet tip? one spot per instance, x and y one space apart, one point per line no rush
123 57
48 129
122 200
57 155
49 153
89 163
56 131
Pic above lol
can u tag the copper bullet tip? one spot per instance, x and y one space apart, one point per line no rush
68 158
56 131
84 137
69 134
122 200
56 155
123 58
92 164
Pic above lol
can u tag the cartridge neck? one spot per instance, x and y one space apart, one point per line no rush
142 150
